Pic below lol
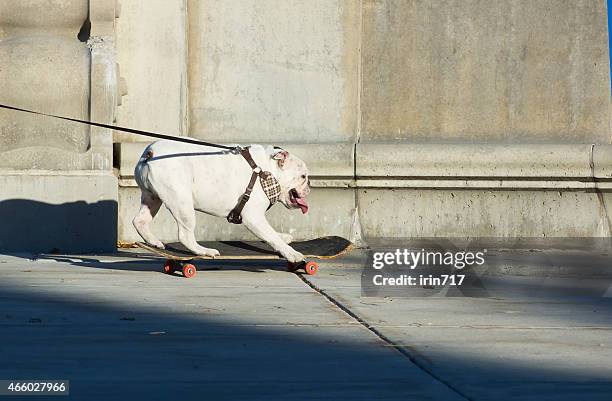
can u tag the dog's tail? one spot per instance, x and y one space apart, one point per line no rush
141 170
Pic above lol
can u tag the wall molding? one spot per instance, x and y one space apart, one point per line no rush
583 167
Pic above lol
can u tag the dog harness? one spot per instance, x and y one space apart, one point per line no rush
269 184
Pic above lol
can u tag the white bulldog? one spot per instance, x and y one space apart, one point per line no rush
187 177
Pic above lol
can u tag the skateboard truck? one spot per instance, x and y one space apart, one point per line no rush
172 265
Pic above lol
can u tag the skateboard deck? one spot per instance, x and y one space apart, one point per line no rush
320 248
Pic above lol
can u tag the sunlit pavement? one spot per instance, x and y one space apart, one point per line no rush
117 327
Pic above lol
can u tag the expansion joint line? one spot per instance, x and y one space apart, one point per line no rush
600 196
399 348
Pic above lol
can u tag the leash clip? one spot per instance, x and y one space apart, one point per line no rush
236 150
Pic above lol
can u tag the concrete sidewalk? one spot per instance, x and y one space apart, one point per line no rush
118 328
555 348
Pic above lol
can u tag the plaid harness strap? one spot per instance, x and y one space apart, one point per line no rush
269 184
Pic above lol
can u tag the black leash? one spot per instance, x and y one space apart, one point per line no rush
235 149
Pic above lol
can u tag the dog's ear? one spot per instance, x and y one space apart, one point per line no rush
280 155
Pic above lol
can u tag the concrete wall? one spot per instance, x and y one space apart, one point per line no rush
423 115
26 70
292 82
485 190
486 71
152 53
268 70
57 188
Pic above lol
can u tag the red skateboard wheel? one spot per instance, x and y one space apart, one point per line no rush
311 268
189 270
169 266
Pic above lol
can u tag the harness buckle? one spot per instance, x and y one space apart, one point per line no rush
234 218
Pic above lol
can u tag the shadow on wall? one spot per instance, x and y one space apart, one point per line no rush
33 226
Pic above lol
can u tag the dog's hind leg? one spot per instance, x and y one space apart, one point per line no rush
149 206
184 214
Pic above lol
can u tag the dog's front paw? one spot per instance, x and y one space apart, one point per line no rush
208 252
158 245
213 252
287 238
293 256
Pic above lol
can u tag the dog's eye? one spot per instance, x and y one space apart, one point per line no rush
303 176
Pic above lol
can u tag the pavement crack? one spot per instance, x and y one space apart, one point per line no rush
405 350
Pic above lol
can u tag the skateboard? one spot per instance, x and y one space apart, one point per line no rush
178 258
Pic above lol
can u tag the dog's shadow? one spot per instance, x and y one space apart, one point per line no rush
136 261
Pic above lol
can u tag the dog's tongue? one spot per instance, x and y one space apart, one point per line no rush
303 205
